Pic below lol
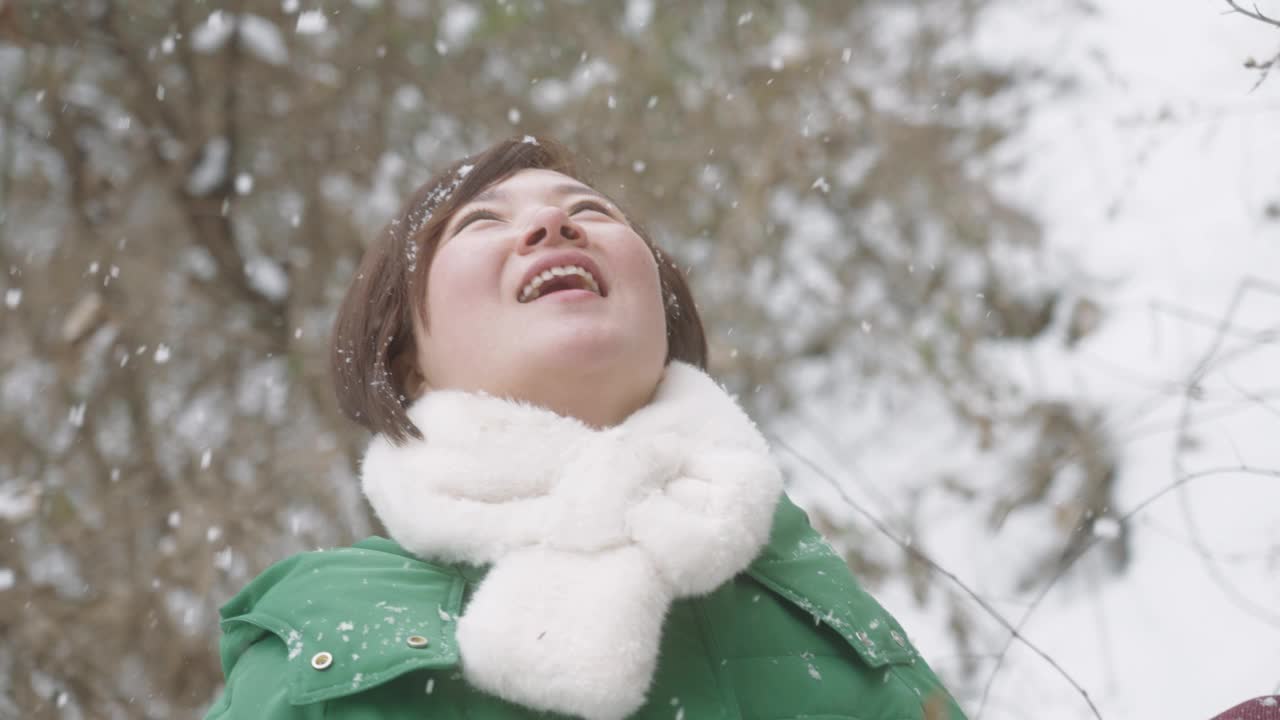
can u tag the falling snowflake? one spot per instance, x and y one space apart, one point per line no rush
311 22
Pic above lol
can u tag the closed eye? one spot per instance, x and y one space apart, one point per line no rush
473 216
585 205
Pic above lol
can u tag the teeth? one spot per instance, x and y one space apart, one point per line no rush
530 291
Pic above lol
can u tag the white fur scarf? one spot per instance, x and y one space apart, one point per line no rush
590 533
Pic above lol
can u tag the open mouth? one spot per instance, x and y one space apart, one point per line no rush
564 277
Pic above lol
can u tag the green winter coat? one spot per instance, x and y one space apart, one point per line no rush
792 637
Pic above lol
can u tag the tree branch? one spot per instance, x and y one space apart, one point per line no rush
1256 14
913 551
206 214
1193 388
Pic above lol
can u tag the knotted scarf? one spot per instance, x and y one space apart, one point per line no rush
590 533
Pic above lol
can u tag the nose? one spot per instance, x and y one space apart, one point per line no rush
550 225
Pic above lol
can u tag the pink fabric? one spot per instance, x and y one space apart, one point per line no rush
1263 708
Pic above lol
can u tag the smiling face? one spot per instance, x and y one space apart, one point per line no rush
540 290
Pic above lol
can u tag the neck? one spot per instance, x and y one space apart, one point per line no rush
599 402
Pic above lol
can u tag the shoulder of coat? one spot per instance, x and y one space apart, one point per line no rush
348 618
800 565
370 566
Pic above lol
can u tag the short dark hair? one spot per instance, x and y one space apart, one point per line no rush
375 323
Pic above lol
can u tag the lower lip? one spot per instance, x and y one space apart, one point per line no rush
569 296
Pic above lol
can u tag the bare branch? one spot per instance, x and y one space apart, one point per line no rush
1181 475
1190 393
1069 562
1206 320
911 549
1264 67
1256 14
150 109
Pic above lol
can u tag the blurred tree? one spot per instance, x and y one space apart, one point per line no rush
186 187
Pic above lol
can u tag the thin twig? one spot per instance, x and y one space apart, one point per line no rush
1191 391
1195 317
1244 557
916 552
1181 476
1256 14
1070 561
1258 399
1265 69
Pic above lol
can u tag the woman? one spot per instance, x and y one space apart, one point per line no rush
582 523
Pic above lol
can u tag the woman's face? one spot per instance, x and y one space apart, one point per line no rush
540 288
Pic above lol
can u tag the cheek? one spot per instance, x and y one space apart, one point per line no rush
632 257
438 292
645 267
642 270
455 280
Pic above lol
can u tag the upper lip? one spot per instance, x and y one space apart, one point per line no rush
562 258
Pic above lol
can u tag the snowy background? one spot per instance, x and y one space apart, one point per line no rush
1001 280
1156 175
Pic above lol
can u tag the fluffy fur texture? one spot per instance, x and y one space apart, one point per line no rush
591 533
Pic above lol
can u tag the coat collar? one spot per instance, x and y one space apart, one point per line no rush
802 567
345 602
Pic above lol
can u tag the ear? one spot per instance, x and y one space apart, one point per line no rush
405 366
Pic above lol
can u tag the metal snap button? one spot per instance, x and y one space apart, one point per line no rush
417 641
321 660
